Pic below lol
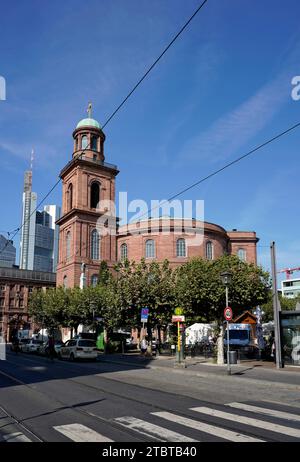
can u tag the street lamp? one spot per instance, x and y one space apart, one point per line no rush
226 277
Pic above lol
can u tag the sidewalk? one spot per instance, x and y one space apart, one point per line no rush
261 371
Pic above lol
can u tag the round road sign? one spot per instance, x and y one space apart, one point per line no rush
228 313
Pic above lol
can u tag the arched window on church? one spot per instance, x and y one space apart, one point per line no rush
241 253
209 250
180 248
95 143
70 197
150 248
65 283
68 245
94 280
95 245
124 251
84 142
95 195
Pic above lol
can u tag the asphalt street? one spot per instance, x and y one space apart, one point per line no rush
99 401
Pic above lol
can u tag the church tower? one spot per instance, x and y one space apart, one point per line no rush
88 188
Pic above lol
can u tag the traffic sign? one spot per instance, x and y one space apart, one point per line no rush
144 314
178 318
178 311
228 313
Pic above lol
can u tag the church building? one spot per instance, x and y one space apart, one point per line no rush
88 188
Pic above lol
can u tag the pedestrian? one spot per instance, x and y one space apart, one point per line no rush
143 346
51 349
16 344
273 351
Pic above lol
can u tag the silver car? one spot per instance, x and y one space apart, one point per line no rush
31 345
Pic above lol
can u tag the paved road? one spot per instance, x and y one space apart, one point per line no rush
63 401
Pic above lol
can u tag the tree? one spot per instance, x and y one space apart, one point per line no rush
141 285
286 304
199 290
49 308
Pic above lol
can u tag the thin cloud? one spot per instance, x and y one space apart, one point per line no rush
236 128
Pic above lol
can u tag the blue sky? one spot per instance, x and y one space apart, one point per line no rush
224 87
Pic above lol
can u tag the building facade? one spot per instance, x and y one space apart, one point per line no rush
88 194
290 288
46 239
8 252
178 240
16 286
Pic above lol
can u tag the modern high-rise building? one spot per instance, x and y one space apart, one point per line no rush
8 252
54 212
46 239
28 224
39 238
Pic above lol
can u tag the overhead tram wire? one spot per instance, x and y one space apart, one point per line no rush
118 108
216 172
229 164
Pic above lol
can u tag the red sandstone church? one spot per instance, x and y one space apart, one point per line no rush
88 189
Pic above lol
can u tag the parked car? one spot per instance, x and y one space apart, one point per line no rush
78 349
44 349
30 345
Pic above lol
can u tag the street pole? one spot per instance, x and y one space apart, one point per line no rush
178 342
227 324
276 309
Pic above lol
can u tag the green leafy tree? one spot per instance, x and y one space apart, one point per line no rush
200 291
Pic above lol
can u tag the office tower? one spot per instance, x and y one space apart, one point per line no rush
8 252
28 224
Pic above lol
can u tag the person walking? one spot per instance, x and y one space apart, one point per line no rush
143 346
51 349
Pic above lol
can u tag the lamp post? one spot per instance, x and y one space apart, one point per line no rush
226 277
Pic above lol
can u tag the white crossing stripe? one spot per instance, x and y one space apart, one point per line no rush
16 437
81 433
262 410
207 428
149 429
249 421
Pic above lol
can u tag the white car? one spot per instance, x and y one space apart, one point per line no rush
78 349
30 345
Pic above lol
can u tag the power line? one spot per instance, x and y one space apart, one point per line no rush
155 62
118 108
229 164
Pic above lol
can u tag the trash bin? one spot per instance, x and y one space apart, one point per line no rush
233 357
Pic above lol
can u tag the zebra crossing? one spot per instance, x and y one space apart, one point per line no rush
233 422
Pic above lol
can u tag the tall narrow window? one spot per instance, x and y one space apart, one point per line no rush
95 245
84 142
94 280
70 197
68 245
150 248
94 143
95 195
65 283
124 251
209 250
242 254
180 248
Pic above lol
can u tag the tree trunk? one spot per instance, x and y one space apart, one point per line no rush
220 345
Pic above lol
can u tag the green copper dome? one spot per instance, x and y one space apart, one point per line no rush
88 123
